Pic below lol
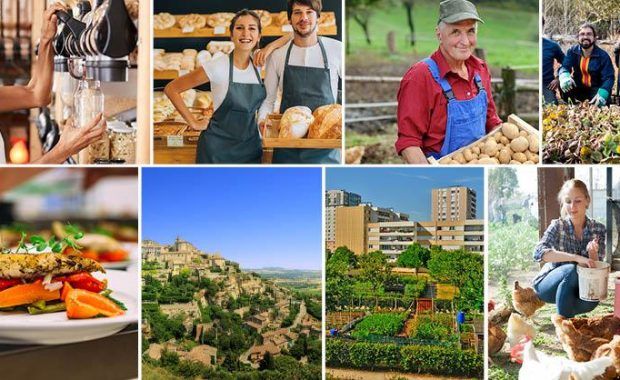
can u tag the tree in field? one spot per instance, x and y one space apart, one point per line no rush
409 9
361 11
464 270
267 362
374 269
337 284
345 253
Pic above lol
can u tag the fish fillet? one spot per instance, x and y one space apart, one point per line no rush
29 266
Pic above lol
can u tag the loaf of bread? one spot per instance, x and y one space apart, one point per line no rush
295 122
221 19
327 122
265 17
163 20
192 22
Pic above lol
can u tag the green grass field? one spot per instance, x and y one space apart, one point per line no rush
510 37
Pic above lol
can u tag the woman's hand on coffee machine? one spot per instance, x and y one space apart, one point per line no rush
50 22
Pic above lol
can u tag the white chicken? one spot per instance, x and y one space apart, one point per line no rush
538 365
519 328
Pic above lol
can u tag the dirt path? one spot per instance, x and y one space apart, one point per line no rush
349 374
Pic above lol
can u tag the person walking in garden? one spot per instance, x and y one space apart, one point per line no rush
587 73
573 239
551 52
445 100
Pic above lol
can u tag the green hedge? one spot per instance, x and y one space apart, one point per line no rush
437 360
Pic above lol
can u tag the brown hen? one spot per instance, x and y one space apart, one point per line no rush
525 300
580 337
612 350
497 337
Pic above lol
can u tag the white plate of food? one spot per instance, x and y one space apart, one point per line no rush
20 327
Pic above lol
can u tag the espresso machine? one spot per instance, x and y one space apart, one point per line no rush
92 46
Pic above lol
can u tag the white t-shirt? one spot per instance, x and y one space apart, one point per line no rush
300 56
2 159
217 71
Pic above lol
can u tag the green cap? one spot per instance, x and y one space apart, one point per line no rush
453 11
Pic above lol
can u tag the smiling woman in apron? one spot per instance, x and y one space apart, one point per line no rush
38 94
231 136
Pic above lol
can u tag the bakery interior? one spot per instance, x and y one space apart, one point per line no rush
188 32
95 70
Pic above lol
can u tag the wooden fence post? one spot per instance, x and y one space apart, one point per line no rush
391 42
508 99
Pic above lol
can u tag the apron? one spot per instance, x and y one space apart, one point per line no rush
232 134
466 121
310 87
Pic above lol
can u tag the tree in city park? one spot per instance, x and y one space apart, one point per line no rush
374 269
464 270
338 283
413 256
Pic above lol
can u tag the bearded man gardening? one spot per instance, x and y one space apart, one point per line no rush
587 73
445 100
306 70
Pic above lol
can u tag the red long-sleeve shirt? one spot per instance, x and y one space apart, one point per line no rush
422 107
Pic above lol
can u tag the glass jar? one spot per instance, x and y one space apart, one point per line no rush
88 100
122 142
100 150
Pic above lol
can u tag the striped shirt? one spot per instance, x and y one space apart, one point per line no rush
560 236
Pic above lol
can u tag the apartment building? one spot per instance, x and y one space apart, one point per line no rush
456 203
351 224
392 238
334 199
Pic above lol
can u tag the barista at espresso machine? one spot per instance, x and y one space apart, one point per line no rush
90 49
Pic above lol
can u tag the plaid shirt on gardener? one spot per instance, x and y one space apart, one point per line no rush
560 236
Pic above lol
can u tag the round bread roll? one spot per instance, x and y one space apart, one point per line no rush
192 21
327 19
163 20
220 19
265 17
280 19
327 122
204 100
295 122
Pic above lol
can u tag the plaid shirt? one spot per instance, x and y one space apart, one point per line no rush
560 235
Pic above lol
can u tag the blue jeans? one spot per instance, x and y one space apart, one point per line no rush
549 96
561 287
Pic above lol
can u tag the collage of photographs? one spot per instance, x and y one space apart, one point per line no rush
274 189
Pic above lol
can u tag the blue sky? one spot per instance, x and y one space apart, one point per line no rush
405 189
258 217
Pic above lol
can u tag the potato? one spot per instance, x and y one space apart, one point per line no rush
504 156
490 148
510 130
483 156
488 161
528 163
533 140
467 153
445 160
515 162
459 158
519 157
523 133
535 158
474 161
520 144
475 149
498 137
504 140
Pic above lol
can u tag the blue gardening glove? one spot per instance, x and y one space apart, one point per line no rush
566 82
600 99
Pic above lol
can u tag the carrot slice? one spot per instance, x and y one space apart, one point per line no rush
26 294
65 290
84 304
113 256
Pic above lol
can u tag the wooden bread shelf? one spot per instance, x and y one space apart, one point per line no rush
268 31
174 74
514 119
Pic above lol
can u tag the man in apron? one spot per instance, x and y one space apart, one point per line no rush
232 136
306 71
445 100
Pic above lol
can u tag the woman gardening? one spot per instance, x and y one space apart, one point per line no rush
574 239
231 136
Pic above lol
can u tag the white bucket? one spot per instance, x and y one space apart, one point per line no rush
593 281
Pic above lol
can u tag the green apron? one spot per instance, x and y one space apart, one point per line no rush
232 135
310 87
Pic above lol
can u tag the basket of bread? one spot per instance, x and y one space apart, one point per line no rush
168 121
513 143
299 127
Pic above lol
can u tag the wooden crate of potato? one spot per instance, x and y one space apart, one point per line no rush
514 143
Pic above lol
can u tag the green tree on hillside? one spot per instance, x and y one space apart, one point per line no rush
409 9
374 268
361 11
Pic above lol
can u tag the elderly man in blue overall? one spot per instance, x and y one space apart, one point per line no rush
445 100
306 70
